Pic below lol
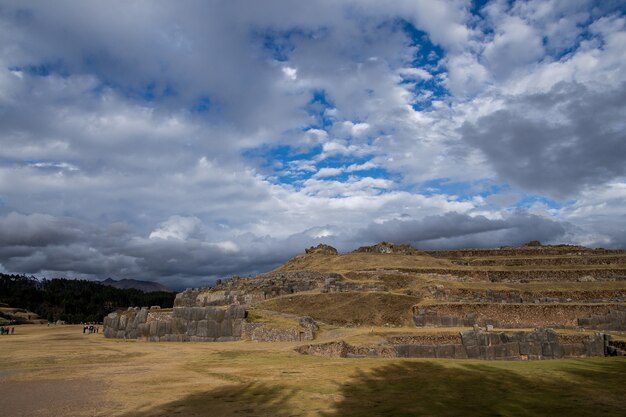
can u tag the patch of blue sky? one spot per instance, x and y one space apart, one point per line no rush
476 7
279 161
529 200
280 44
427 56
317 108
149 93
462 190
289 165
202 105
44 69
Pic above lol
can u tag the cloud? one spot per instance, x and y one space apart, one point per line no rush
176 227
555 143
187 142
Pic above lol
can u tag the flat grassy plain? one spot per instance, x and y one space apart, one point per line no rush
59 371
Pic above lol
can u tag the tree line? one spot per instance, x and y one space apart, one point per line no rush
74 301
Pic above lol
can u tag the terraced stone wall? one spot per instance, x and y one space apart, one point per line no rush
264 332
250 291
536 345
518 315
569 260
520 297
615 319
523 252
608 274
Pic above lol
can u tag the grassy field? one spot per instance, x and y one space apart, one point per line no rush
60 371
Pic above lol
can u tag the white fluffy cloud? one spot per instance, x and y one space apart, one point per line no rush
186 142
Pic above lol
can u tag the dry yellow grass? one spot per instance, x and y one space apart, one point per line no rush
372 308
361 262
59 371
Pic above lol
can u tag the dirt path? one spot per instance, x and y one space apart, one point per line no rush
52 397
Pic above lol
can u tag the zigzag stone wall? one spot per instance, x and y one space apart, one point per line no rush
195 324
472 344
439 292
602 316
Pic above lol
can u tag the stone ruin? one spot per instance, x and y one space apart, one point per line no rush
478 344
589 316
219 313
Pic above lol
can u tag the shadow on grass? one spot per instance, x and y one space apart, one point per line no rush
427 388
253 399
430 389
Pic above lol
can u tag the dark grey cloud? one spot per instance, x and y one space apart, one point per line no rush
37 230
555 143
455 230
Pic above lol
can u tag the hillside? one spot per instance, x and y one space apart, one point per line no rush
362 261
144 286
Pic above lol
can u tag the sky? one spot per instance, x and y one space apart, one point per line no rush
182 142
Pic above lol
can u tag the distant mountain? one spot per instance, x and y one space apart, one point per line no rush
145 286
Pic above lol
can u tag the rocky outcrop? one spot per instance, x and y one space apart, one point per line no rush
514 315
477 344
321 249
386 247
195 324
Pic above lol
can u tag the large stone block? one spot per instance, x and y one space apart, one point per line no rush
423 351
460 352
142 316
191 328
573 350
445 351
226 328
201 328
154 328
512 349
237 327
469 338
213 328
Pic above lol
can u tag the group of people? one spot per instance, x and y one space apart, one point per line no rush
91 328
7 330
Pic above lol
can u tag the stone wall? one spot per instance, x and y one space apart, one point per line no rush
439 292
195 324
265 332
523 251
472 344
570 260
250 291
547 275
615 319
513 315
332 285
